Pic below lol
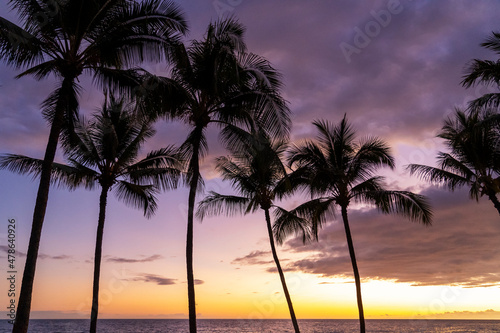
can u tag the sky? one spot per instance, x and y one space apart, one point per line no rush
394 68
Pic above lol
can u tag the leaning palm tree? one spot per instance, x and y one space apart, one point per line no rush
255 170
337 171
220 83
104 153
65 39
474 158
486 72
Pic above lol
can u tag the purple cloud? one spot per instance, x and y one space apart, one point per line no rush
254 258
153 278
460 248
153 257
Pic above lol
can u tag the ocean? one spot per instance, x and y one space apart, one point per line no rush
257 326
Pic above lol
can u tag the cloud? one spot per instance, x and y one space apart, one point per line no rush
476 315
121 260
156 279
460 248
59 257
198 281
254 258
284 269
19 254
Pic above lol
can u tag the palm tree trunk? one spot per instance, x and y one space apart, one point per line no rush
194 168
97 258
24 307
280 271
357 280
494 199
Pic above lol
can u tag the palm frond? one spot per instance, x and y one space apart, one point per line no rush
316 212
42 70
482 71
62 175
139 31
126 82
408 204
217 204
161 167
19 47
161 97
437 176
227 31
65 97
287 223
491 100
493 42
373 184
238 174
449 162
139 196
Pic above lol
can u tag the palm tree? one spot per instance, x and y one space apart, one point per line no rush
485 71
474 157
103 153
337 170
65 39
220 84
255 170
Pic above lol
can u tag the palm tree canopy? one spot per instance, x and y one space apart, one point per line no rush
474 154
104 151
106 38
337 169
221 82
255 171
486 72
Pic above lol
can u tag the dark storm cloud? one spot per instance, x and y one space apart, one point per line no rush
153 257
461 247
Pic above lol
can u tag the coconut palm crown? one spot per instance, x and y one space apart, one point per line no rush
485 72
473 160
337 170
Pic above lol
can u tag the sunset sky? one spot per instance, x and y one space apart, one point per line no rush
394 67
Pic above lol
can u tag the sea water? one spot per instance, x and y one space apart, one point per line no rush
254 326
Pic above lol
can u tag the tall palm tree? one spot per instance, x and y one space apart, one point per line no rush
220 83
474 158
67 38
104 153
487 72
337 170
256 171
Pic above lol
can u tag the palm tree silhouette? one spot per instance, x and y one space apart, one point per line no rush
487 72
103 153
474 157
337 170
66 39
217 82
255 170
